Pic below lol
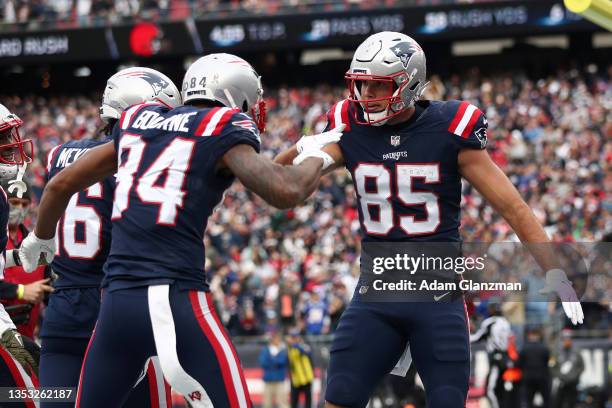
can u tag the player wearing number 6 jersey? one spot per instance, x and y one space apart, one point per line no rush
173 166
83 243
407 157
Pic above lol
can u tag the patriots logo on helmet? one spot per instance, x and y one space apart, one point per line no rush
404 51
157 83
158 86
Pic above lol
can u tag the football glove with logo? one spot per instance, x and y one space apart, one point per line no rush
11 340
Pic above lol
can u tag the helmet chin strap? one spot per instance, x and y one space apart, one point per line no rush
382 117
18 184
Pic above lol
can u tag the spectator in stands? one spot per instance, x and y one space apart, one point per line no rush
567 369
300 369
533 362
287 302
36 283
274 362
316 315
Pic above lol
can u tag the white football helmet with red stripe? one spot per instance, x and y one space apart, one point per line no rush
14 152
136 85
389 57
228 80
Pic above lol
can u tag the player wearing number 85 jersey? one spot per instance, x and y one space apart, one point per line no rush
173 166
407 157
83 244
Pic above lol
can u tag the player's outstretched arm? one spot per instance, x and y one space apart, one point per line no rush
281 186
478 168
97 164
286 156
482 173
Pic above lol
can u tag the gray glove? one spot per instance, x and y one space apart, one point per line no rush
12 342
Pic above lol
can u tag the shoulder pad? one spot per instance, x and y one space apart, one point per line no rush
51 156
339 113
467 123
219 121
464 117
213 121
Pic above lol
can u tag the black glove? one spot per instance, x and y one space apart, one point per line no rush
12 342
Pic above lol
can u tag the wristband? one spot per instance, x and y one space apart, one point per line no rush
20 291
327 159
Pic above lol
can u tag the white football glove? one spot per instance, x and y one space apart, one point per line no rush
317 142
31 250
557 282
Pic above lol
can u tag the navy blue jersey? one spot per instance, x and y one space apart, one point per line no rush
167 187
406 176
84 231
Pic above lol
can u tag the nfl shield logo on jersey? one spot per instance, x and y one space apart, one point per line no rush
395 140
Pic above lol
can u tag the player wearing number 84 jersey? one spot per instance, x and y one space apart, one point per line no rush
407 157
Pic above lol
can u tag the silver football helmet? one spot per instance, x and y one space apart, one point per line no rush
136 85
228 80
389 57
14 152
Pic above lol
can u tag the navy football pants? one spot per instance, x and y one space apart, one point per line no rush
60 365
181 328
371 337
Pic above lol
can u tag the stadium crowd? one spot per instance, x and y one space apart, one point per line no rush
34 14
273 269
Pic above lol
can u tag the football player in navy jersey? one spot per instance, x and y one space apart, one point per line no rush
17 366
407 157
83 243
173 166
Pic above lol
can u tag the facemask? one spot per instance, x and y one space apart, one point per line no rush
17 215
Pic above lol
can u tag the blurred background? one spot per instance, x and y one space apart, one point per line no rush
281 279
